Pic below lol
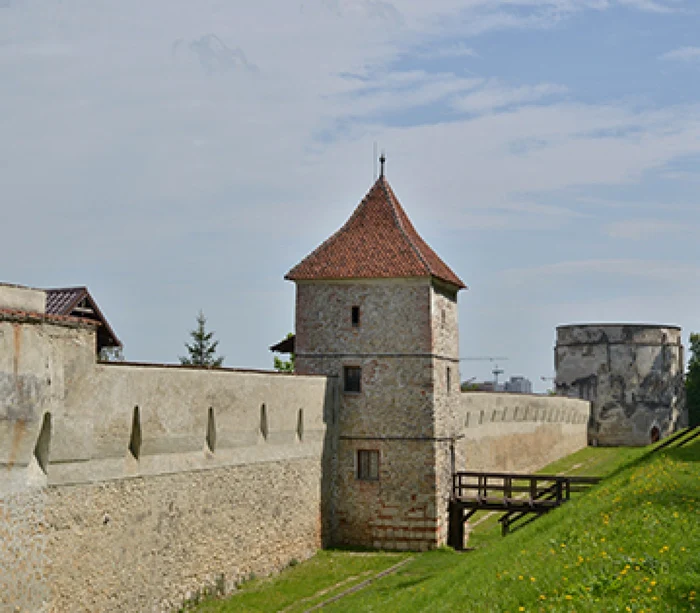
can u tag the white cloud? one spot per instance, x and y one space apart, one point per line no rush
125 166
454 50
654 6
495 95
684 54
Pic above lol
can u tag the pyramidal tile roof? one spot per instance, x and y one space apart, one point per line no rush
378 241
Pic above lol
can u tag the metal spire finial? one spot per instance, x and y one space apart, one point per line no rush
382 160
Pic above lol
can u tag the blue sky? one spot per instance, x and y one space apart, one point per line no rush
175 155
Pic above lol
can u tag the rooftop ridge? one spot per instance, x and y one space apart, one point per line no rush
378 241
393 204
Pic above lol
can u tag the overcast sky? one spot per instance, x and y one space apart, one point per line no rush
174 155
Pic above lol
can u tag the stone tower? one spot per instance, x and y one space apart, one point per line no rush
376 307
632 374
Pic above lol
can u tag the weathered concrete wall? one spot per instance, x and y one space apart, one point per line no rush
632 374
40 363
394 414
518 432
217 474
19 298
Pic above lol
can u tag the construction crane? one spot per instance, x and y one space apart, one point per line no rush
489 358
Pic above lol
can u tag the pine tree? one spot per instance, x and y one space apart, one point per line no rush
692 381
202 351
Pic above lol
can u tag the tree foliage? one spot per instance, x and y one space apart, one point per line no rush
111 354
692 381
285 365
202 349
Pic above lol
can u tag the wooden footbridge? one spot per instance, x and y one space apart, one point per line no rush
514 495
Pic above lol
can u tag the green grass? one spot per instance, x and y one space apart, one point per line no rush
631 543
589 461
300 587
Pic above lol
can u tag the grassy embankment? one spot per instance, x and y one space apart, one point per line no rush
630 544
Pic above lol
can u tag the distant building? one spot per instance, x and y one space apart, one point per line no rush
518 385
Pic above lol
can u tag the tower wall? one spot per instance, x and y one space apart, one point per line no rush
631 373
401 414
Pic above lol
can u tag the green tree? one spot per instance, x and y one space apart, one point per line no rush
111 354
692 381
202 350
285 365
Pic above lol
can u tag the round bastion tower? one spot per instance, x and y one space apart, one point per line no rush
376 307
631 373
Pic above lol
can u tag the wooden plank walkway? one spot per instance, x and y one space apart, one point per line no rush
515 494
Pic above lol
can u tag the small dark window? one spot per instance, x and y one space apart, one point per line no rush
353 375
444 317
368 465
449 379
356 317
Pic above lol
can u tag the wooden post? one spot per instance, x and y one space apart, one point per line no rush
456 528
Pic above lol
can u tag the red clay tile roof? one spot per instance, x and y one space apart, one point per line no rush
378 241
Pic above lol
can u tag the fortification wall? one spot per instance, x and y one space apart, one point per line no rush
518 432
150 482
20 298
631 373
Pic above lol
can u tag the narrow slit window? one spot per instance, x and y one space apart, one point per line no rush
135 438
352 379
211 430
355 317
448 376
368 465
263 421
41 450
300 425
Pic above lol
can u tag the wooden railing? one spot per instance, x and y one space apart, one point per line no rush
513 494
503 487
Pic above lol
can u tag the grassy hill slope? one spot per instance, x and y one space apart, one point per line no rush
630 544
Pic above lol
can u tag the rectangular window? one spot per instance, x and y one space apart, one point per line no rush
449 379
356 317
351 379
368 465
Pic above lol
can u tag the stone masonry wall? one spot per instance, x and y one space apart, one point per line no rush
631 373
148 543
130 486
393 414
446 393
518 432
399 510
